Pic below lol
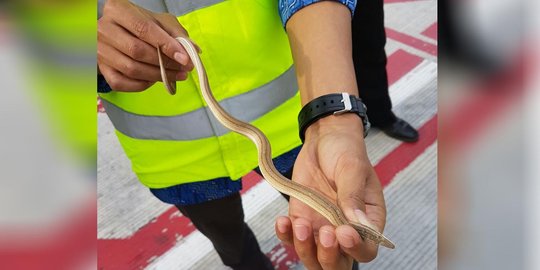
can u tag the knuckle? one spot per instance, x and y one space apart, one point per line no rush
168 49
141 27
130 69
101 54
135 50
114 82
100 25
108 7
101 31
104 26
111 6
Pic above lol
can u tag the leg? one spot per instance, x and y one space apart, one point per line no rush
222 221
369 59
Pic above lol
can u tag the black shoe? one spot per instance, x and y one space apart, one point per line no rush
401 130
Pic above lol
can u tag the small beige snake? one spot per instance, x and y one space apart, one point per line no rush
311 197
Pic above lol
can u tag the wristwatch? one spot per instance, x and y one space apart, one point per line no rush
323 106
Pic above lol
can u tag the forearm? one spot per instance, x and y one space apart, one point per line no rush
320 38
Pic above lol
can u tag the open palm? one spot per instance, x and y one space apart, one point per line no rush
334 161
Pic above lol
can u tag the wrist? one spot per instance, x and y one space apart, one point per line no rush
338 111
347 123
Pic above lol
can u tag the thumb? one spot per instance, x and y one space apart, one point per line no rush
351 183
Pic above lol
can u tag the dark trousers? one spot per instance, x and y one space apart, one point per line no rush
368 40
222 221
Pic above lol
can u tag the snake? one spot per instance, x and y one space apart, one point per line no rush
308 196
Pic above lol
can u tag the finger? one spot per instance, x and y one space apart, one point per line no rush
351 180
284 230
129 67
119 38
144 26
351 243
118 82
304 243
328 252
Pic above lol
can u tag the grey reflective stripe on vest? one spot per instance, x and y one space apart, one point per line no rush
175 7
201 123
181 7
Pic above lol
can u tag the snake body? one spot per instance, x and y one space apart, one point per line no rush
311 197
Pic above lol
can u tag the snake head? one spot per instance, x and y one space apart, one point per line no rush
370 234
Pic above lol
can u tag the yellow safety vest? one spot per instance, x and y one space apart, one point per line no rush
172 140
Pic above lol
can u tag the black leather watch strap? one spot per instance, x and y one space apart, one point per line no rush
331 104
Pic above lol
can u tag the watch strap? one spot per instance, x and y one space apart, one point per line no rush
331 104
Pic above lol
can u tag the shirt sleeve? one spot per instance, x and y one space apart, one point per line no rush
287 8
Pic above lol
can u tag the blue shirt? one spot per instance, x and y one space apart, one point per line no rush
288 7
199 192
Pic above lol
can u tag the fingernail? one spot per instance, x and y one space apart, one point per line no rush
347 241
326 238
282 227
301 232
363 219
180 58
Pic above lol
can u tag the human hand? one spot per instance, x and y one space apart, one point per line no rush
128 36
334 161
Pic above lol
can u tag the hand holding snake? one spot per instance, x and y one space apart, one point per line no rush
323 204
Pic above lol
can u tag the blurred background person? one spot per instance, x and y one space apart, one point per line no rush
369 56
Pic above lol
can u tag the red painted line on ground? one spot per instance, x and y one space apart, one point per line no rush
412 41
153 239
158 236
387 168
67 244
401 157
431 31
250 180
401 63
100 108
283 256
485 103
